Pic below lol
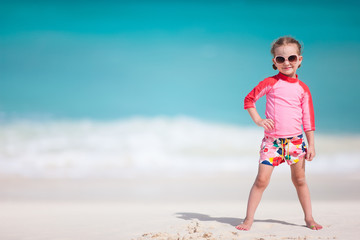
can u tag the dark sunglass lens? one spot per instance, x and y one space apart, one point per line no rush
292 58
280 59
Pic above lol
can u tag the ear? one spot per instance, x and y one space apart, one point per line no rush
273 60
300 60
274 64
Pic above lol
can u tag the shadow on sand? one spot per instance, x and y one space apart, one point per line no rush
232 221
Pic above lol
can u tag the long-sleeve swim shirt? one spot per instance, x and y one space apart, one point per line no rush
288 103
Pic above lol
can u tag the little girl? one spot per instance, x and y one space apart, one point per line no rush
288 106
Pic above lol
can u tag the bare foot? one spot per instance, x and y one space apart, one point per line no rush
246 225
313 225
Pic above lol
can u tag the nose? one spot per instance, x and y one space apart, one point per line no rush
287 62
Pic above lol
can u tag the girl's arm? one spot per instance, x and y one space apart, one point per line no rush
268 124
310 154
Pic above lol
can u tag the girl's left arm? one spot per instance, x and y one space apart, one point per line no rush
310 154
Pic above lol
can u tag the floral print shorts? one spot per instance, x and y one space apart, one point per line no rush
274 151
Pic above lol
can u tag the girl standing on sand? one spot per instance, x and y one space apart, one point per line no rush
288 107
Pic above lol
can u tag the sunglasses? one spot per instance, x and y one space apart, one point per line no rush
280 59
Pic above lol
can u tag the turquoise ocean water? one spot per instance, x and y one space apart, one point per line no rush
109 60
84 81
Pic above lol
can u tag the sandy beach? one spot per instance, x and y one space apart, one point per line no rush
184 207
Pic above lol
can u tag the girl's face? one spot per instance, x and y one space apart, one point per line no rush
290 53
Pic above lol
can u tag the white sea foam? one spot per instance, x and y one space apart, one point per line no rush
126 148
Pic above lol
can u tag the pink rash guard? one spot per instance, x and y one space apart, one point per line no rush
288 104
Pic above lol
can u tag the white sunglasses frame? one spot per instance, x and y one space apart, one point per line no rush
287 58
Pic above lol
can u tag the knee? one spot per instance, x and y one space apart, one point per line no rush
299 181
261 182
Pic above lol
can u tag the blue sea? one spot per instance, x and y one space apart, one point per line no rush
115 88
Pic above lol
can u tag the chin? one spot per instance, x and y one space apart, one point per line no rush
288 73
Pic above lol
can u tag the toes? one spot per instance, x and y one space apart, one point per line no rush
319 227
241 228
315 227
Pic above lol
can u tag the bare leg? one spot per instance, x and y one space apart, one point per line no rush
298 178
260 184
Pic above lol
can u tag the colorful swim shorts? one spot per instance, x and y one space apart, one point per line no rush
274 151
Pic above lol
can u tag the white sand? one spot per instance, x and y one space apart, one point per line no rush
193 207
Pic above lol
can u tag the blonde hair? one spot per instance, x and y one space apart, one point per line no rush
285 40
